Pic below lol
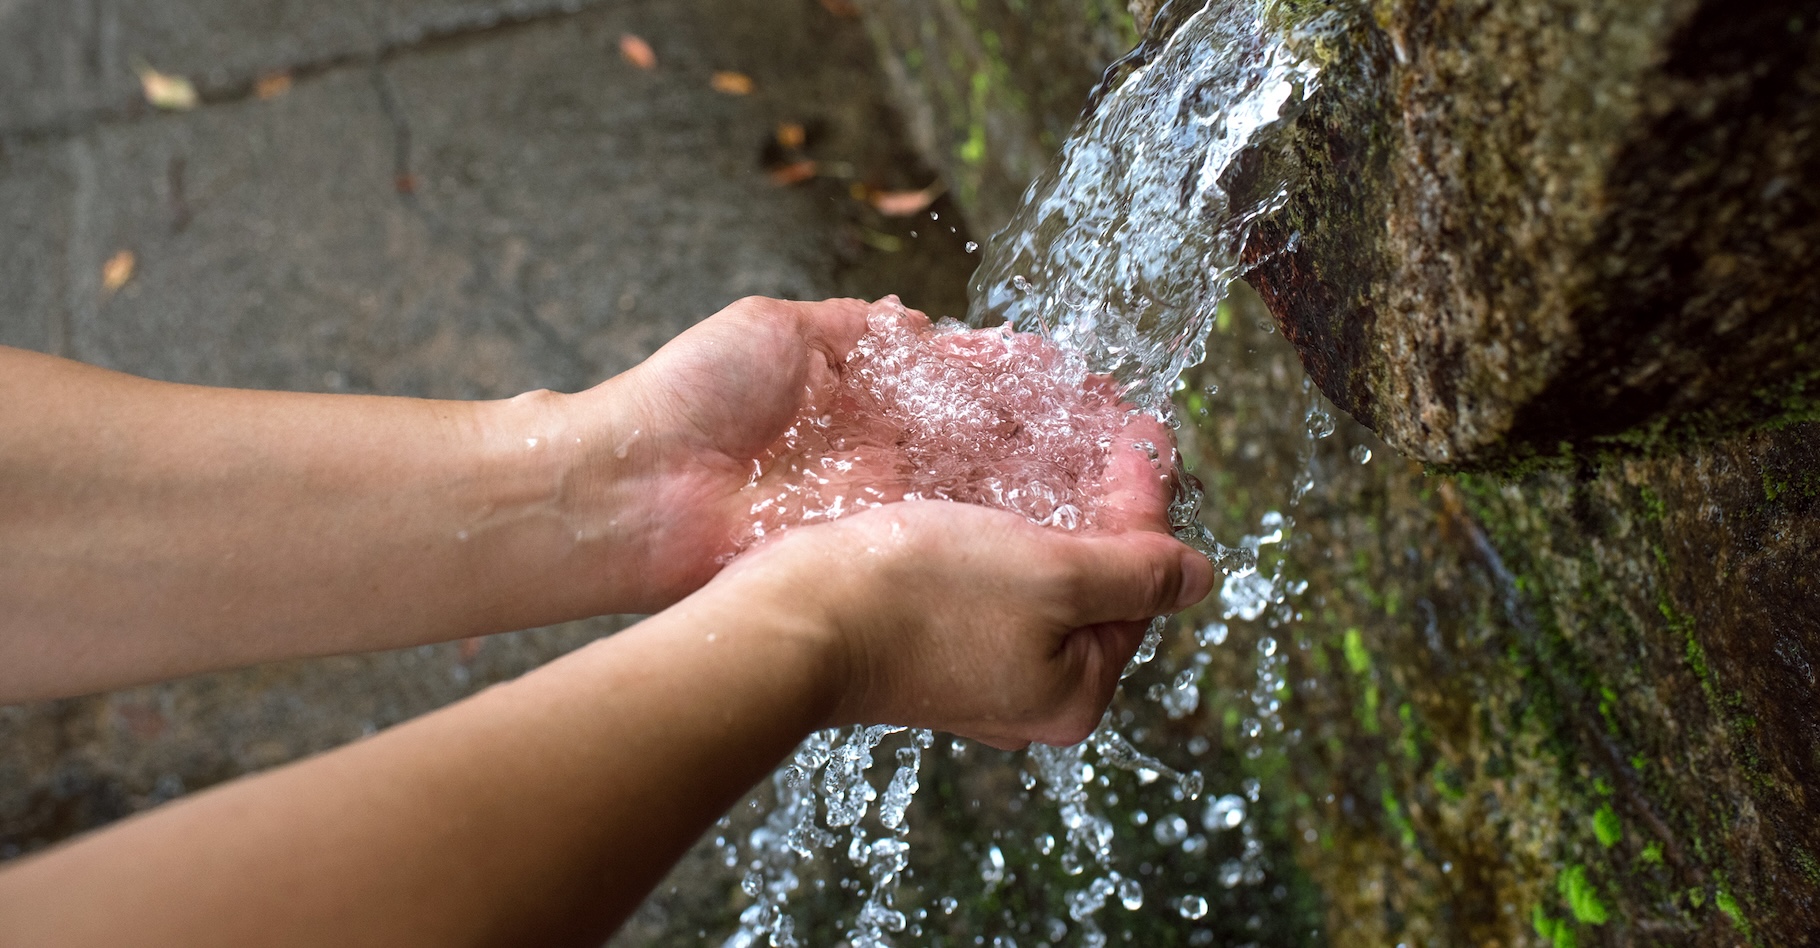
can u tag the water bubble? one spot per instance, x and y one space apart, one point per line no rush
1193 907
1360 454
992 867
1170 830
1319 422
947 904
1232 872
1131 895
971 246
1224 812
1246 595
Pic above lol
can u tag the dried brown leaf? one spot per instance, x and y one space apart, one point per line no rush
906 203
841 8
117 270
637 52
732 83
796 172
167 92
791 134
272 85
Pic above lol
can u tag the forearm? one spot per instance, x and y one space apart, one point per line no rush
150 529
538 812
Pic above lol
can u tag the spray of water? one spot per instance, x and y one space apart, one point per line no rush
1124 250
1122 254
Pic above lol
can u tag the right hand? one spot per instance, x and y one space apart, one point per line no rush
968 620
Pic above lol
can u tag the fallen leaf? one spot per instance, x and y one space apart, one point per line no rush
637 52
881 242
117 270
791 134
272 85
732 83
167 92
906 203
796 172
841 8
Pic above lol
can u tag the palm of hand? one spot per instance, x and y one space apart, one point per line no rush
708 404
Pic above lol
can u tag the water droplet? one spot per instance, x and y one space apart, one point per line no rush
972 246
1224 812
1361 454
1193 907
1170 830
1320 423
1131 895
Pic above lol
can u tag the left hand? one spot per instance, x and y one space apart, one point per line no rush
690 422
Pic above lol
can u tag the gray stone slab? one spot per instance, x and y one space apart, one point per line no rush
35 191
74 55
568 214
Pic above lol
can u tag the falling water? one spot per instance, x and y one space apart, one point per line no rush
1124 252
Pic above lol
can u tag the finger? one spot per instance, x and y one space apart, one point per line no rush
1135 575
832 327
1140 477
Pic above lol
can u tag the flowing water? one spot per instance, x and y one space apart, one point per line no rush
1124 253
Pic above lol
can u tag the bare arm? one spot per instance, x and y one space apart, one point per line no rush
149 530
541 811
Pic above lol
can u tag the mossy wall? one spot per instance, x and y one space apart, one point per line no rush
989 88
1571 703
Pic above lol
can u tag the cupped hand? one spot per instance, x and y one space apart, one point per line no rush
689 424
972 621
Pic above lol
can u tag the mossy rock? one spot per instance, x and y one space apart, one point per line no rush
1544 227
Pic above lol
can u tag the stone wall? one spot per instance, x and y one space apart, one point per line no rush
1569 701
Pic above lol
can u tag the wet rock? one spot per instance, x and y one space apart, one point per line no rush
1543 226
989 90
1566 703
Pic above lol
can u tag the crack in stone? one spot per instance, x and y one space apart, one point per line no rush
399 43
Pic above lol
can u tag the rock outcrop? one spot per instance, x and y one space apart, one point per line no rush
1574 247
1536 226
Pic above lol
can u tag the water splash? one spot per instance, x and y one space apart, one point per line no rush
982 416
1123 253
1125 249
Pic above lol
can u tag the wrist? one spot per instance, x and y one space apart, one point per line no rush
798 627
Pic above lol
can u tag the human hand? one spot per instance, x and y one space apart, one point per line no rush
688 425
968 620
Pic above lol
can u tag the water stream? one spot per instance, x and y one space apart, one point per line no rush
1125 252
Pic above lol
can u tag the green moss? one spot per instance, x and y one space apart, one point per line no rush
1653 506
1606 827
1582 896
1556 931
1357 658
1725 903
1651 854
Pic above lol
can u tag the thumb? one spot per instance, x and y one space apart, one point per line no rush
1136 575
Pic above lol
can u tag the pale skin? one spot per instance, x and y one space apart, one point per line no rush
150 530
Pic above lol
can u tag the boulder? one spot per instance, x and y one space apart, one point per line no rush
1538 226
